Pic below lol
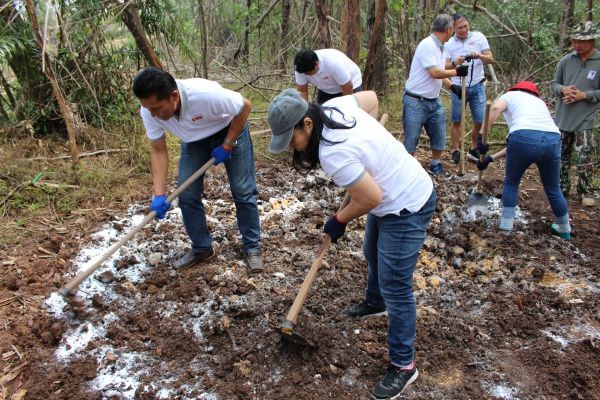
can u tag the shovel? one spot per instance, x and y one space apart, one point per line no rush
287 327
68 292
477 198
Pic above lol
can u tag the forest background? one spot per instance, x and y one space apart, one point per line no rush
66 69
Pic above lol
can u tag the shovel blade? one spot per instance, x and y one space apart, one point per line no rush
297 339
478 199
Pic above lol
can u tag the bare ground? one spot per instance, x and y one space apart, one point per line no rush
499 317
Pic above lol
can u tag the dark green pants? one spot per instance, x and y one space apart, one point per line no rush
583 143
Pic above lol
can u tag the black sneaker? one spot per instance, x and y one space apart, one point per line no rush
364 309
437 169
473 155
456 156
191 258
393 383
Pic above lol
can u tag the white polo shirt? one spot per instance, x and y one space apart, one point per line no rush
475 41
526 111
429 54
206 108
369 147
335 69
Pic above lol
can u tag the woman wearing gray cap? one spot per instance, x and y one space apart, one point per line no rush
384 182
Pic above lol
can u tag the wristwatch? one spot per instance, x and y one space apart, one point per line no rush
230 143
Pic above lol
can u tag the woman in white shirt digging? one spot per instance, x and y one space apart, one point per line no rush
385 183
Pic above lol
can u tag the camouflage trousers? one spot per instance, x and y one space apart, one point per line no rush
583 143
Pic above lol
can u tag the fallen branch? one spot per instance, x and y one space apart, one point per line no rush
92 153
242 80
6 302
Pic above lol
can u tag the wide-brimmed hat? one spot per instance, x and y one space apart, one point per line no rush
285 111
526 86
585 31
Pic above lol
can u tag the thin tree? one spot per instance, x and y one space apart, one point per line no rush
285 27
376 65
323 31
65 108
131 18
351 29
566 23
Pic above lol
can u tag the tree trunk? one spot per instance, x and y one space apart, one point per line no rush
285 27
589 4
131 19
566 23
34 87
351 29
204 55
406 45
375 76
324 33
249 29
65 109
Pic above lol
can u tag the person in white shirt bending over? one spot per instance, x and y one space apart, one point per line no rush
533 138
330 70
385 183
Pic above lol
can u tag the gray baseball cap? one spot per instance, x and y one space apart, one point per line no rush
285 112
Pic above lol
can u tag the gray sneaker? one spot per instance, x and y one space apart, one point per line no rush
191 258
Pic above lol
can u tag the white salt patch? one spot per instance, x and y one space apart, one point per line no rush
558 339
503 392
77 341
55 304
121 379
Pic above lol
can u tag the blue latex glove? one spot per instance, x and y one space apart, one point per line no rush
481 147
482 165
220 154
334 228
160 205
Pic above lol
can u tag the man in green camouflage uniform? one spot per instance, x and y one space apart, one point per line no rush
577 85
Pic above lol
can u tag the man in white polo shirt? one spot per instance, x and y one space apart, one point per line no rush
330 70
422 106
469 47
210 121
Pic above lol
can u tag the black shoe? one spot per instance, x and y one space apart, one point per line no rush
364 309
473 155
393 383
456 156
191 257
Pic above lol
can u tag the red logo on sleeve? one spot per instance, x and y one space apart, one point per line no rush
197 118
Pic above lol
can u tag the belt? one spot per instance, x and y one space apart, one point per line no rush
416 96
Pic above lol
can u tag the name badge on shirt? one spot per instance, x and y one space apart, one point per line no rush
591 74
197 118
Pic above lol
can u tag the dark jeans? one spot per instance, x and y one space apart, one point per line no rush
322 96
392 245
242 182
526 147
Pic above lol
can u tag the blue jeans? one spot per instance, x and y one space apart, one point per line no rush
423 113
242 182
392 245
475 99
526 147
